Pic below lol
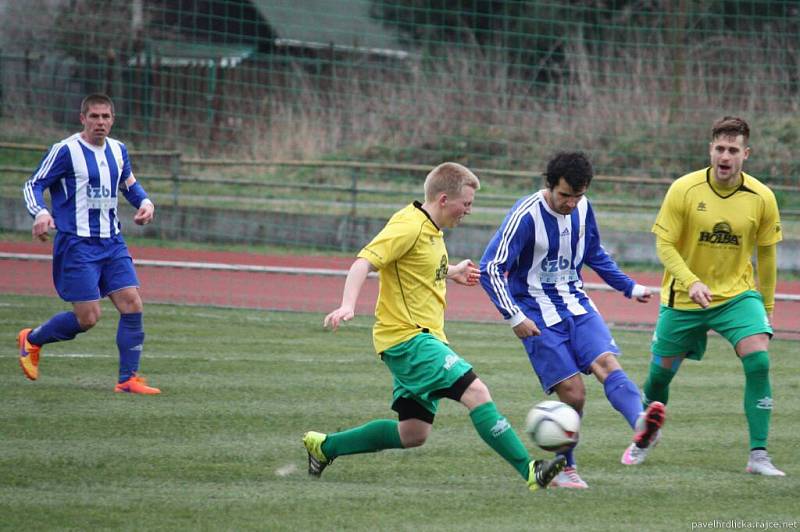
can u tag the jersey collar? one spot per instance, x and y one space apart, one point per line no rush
727 192
418 205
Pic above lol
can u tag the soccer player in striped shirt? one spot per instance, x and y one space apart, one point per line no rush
710 224
531 270
84 174
410 254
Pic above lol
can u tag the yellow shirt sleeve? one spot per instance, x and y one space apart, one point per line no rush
769 227
767 274
674 263
669 222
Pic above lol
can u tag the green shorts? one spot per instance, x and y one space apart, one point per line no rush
681 332
421 366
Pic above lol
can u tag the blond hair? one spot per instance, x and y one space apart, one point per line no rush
449 178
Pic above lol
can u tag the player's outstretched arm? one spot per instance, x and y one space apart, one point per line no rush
465 272
352 288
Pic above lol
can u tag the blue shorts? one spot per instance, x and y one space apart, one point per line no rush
88 269
568 347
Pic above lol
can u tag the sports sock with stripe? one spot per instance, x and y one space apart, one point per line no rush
656 387
62 326
370 437
757 397
623 395
496 431
130 341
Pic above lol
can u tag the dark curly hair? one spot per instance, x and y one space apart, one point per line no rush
574 167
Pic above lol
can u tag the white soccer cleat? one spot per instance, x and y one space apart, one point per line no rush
635 455
760 464
647 434
569 478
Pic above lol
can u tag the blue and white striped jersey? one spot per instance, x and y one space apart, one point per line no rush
83 181
542 253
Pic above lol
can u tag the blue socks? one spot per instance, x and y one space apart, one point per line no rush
130 337
623 395
130 340
62 326
570 456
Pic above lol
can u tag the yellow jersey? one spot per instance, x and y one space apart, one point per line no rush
716 231
411 258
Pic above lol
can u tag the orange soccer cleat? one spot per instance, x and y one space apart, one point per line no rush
28 355
136 384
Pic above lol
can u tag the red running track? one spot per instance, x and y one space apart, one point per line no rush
315 293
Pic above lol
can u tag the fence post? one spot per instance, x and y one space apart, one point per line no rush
211 89
27 78
146 89
353 191
1 82
175 172
350 220
677 36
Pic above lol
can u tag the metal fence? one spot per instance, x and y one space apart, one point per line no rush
493 84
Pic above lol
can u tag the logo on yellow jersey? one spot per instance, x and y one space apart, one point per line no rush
721 234
441 271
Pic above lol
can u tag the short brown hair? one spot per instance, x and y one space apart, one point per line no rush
449 178
96 99
730 126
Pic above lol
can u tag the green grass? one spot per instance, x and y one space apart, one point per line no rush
220 448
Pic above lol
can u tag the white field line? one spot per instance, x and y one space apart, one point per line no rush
219 266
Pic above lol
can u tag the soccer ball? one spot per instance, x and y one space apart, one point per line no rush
553 426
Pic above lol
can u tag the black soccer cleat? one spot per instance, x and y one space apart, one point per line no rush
317 461
542 472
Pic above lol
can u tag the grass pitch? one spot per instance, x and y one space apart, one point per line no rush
220 448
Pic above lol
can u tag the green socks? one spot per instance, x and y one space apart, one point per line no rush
757 397
757 393
371 437
496 431
656 388
381 434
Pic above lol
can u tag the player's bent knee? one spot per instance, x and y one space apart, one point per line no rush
572 391
576 402
411 441
88 317
672 363
758 342
574 397
605 364
127 300
475 394
413 432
